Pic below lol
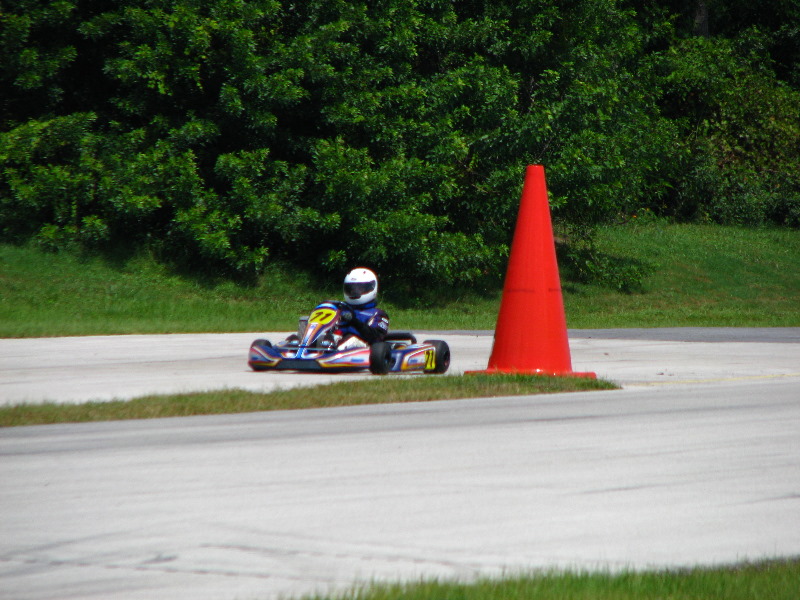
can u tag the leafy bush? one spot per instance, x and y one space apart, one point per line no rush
740 132
395 134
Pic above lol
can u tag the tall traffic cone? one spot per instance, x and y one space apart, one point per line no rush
531 332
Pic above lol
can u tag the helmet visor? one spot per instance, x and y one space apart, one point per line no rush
354 290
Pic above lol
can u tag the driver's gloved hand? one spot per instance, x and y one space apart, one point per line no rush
346 316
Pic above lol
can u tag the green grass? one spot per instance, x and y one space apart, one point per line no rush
44 294
697 276
773 580
349 393
700 275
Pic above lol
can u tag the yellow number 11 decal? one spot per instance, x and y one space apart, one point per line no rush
430 359
323 316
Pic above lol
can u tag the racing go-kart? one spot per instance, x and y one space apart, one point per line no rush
316 348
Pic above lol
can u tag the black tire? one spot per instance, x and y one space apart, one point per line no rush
380 358
400 336
441 356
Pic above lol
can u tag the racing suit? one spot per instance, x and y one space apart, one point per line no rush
368 322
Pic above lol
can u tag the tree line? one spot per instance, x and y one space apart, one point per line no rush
224 134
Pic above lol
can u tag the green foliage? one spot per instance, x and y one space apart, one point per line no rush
224 135
740 135
47 187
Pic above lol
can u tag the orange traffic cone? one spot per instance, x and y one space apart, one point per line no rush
531 332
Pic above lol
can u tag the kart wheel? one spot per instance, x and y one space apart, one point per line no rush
380 358
441 356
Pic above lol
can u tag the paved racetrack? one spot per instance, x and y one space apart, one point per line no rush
108 367
693 462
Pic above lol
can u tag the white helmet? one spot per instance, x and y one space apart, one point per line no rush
360 287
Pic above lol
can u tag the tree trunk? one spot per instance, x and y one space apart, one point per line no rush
701 18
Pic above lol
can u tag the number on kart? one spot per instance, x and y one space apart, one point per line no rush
323 316
430 359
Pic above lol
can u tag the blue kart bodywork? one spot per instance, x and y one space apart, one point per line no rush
316 349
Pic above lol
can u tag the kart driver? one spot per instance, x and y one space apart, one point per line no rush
362 322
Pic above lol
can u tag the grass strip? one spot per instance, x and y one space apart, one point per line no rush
347 393
776 580
691 275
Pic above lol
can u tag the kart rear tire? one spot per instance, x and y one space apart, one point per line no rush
380 358
441 356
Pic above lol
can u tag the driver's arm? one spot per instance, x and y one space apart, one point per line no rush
372 331
367 333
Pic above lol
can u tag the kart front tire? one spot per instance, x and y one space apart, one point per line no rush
441 356
380 358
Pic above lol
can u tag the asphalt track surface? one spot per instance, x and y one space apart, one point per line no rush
693 462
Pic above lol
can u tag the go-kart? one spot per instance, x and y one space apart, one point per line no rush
316 347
